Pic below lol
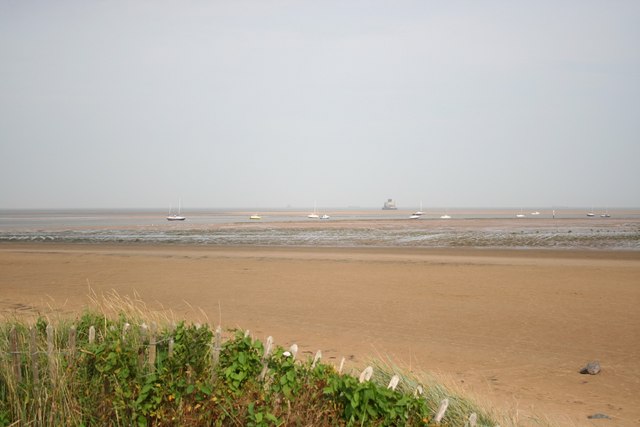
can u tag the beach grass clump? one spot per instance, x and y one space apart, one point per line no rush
99 369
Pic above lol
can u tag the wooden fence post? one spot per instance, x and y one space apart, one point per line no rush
152 347
51 358
13 338
394 382
473 420
72 344
141 350
172 343
33 353
92 334
441 410
316 359
366 374
215 352
341 366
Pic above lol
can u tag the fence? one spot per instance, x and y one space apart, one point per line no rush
26 357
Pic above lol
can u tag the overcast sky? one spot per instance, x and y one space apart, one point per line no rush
135 104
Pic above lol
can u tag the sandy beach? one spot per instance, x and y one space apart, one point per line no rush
513 328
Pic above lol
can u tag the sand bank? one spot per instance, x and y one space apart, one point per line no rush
511 326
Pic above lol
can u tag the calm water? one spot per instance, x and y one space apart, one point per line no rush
350 228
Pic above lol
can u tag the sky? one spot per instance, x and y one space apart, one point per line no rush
141 103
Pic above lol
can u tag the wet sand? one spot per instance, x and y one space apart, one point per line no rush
510 327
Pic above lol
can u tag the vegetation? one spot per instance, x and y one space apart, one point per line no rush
120 378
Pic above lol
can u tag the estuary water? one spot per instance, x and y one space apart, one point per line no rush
486 228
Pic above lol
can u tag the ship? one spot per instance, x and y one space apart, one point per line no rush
389 205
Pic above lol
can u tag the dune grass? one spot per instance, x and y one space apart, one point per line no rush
194 378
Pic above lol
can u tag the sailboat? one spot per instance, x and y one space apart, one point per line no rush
255 216
418 213
605 214
590 214
176 217
314 215
520 215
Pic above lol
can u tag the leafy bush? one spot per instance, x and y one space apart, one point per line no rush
192 382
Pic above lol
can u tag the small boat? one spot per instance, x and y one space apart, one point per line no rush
314 215
419 212
445 216
176 217
325 216
256 216
520 215
605 214
535 213
590 214
415 216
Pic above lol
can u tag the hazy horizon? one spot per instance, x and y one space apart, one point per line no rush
137 104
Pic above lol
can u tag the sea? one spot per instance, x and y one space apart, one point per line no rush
559 228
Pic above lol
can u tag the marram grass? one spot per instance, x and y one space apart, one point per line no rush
46 381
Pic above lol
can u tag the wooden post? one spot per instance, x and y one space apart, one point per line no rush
341 366
215 352
143 337
441 410
473 420
265 358
125 328
267 348
217 346
172 343
72 343
152 352
13 338
366 374
33 352
293 350
394 382
152 346
51 358
316 359
419 391
92 334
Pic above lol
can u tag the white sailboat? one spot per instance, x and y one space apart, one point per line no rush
178 216
314 215
419 212
605 214
255 216
520 215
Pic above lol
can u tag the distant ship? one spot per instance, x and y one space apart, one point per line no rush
389 205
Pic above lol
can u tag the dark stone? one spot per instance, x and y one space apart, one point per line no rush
592 368
599 416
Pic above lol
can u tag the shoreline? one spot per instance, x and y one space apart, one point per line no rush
507 325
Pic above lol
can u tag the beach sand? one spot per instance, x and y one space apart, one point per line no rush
513 328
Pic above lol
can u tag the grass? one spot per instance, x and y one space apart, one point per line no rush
194 382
